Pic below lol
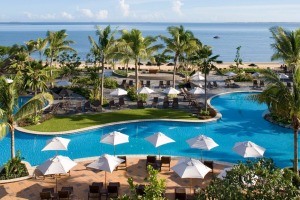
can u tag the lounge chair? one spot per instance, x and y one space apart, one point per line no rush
112 104
96 106
140 104
289 85
140 190
112 191
166 102
209 164
123 164
94 191
161 84
165 161
261 83
215 84
168 84
142 83
151 160
148 84
130 83
255 83
123 84
154 102
122 102
209 85
63 194
180 194
175 103
87 106
46 195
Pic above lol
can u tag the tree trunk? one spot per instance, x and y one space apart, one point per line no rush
136 75
102 83
12 140
296 127
205 95
174 71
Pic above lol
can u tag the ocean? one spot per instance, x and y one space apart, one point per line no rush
254 38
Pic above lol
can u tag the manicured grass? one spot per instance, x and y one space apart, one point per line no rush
67 123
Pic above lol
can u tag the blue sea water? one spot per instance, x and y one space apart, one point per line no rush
241 121
254 38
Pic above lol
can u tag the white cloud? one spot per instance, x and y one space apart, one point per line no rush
46 16
124 7
176 6
66 15
28 15
102 14
86 12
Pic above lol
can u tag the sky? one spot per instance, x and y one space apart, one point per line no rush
150 11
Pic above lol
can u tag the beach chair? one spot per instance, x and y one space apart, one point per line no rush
122 102
46 196
87 106
130 83
96 106
209 85
112 104
154 102
63 194
289 85
112 191
142 83
165 161
123 84
151 160
123 164
148 84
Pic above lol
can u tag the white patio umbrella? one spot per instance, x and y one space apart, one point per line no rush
283 76
202 142
197 77
56 143
118 92
63 83
158 139
114 138
57 165
197 90
145 90
190 168
230 74
170 90
106 163
248 149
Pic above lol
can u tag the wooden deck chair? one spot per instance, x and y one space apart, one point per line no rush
165 161
154 102
175 103
148 84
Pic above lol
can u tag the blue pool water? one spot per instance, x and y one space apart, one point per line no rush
242 120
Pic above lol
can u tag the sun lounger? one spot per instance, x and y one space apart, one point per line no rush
168 84
175 103
154 102
262 83
255 83
123 164
122 102
180 194
140 104
215 84
209 164
165 161
161 84
148 84
94 192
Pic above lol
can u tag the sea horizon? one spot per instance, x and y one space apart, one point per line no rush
253 37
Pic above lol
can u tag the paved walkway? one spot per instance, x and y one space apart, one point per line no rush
81 178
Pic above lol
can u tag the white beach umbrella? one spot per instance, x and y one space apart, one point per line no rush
190 168
283 76
248 149
145 90
158 139
230 74
63 83
57 165
202 142
170 90
197 77
106 163
56 143
114 138
118 92
197 90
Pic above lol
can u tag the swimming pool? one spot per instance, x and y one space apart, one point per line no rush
241 120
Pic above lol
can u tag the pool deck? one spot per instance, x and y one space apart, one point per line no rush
81 178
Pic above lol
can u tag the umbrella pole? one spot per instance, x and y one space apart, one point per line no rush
105 180
114 150
191 181
159 153
201 156
55 182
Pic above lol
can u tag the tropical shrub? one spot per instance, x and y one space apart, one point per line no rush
254 179
131 93
243 77
110 83
14 168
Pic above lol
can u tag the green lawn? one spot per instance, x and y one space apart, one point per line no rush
67 123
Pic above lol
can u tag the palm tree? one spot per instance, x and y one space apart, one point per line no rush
40 46
57 44
8 104
103 49
206 61
182 41
133 45
277 96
